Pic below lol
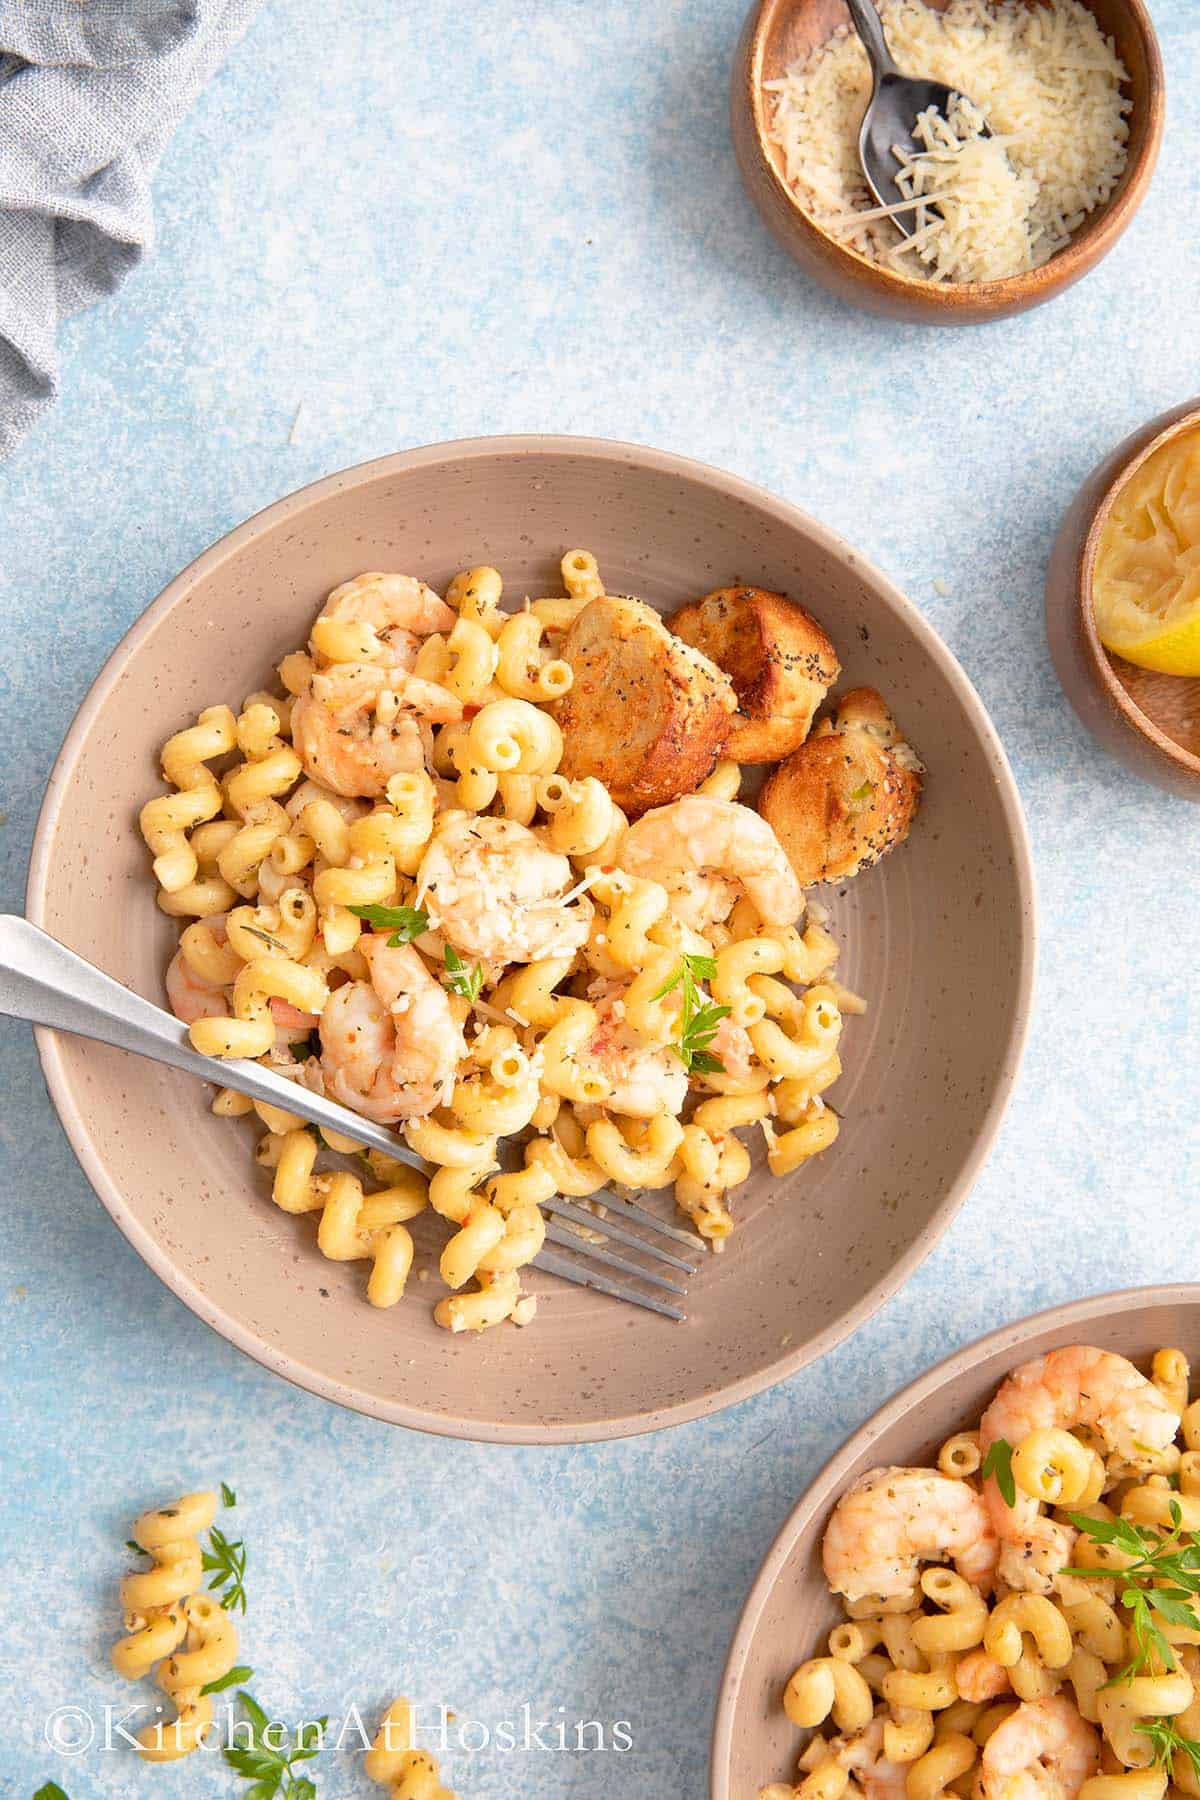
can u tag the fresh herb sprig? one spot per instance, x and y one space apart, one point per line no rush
270 1758
225 1561
231 1677
1159 1582
1168 1742
998 1462
699 1018
459 978
50 1790
404 922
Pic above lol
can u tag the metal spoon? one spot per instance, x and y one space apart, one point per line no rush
896 100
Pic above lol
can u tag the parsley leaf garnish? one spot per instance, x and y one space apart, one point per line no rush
225 1559
50 1790
699 1018
1160 1579
404 922
228 1680
1167 1739
460 979
269 1760
998 1462
228 1497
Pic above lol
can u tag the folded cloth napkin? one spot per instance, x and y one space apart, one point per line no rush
90 92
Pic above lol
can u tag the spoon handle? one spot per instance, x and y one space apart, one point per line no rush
869 27
44 982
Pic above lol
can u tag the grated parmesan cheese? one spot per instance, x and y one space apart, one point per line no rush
1048 84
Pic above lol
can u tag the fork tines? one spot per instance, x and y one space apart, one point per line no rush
629 1248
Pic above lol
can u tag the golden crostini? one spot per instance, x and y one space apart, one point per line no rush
780 661
646 714
849 793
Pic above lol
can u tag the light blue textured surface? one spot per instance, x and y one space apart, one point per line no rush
407 224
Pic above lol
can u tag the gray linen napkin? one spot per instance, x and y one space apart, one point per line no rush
90 92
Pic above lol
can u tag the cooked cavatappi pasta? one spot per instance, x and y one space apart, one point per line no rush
164 1605
392 896
1058 1658
395 1761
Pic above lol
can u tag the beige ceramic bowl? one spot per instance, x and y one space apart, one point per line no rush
790 1608
1150 722
778 33
940 937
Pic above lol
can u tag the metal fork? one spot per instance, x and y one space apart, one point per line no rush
44 982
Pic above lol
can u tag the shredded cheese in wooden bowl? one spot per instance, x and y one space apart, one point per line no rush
1043 79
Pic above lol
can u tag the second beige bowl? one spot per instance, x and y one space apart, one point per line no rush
939 937
790 1608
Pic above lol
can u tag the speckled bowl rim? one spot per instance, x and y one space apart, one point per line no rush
1140 721
1009 1053
810 1509
1088 246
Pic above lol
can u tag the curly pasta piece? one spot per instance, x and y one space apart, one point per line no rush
162 1608
394 1761
352 1224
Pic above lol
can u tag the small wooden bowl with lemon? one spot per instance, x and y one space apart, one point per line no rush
1123 601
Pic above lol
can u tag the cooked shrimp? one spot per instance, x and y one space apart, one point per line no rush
647 1079
401 609
389 1047
863 1755
892 1520
1042 1751
345 743
733 1049
978 1676
495 891
707 852
191 997
1077 1385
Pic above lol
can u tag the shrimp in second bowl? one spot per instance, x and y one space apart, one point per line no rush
495 891
399 608
893 1520
358 724
1077 1385
388 1048
862 1754
707 852
1042 1751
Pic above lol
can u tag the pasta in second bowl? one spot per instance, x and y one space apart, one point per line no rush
936 936
964 1529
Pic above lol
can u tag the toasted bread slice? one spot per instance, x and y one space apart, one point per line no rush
846 796
646 714
778 658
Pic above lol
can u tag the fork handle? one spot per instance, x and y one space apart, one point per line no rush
869 27
44 982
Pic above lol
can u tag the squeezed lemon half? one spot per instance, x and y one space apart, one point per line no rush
1146 583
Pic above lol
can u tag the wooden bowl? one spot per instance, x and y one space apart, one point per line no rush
779 32
790 1608
1151 722
939 936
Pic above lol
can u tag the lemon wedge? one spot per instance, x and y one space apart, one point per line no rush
1146 583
